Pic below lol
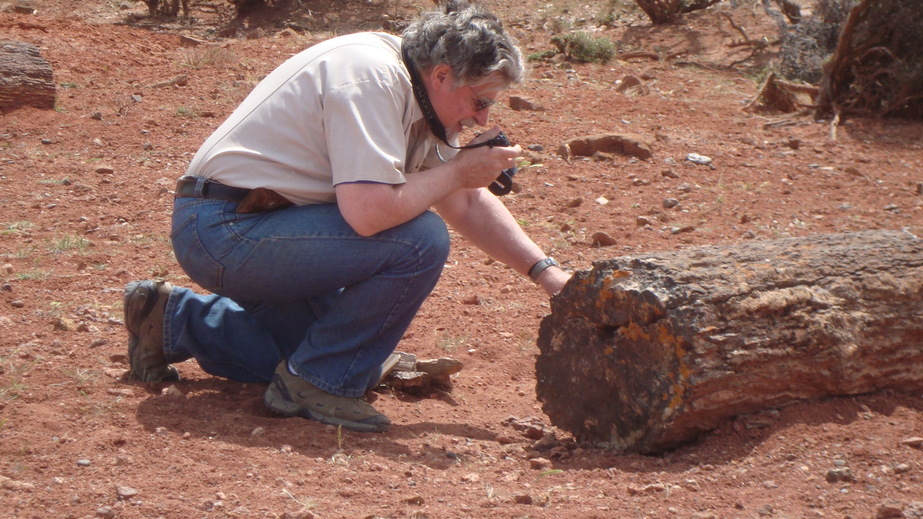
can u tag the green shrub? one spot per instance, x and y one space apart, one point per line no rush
584 48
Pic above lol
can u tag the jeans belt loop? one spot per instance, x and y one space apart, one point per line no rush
200 187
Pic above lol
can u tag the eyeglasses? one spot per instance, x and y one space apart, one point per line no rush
481 102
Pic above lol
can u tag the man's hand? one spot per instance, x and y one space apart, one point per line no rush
480 166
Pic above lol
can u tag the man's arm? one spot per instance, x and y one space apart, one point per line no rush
483 220
373 207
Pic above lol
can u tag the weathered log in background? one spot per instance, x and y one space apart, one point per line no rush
644 353
26 79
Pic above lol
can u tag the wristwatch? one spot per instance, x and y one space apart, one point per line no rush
540 267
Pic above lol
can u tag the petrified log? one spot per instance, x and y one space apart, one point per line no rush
25 78
644 353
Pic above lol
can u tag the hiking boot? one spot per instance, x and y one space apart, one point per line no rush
145 302
291 395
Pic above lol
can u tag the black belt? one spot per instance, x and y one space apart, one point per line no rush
190 186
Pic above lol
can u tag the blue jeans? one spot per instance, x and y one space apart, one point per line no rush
297 283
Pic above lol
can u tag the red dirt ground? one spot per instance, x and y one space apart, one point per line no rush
85 198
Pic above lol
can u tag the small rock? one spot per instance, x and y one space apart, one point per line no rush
106 512
539 463
15 486
890 509
669 173
602 200
695 158
518 103
523 499
104 170
630 145
83 463
125 492
642 221
409 381
839 474
901 468
602 239
631 85
259 431
116 373
24 8
440 369
173 392
647 489
915 442
304 514
548 442
189 41
532 427
414 500
669 203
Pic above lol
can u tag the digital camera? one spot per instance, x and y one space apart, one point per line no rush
504 183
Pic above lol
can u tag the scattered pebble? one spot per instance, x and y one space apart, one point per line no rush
173 392
602 239
839 474
695 158
15 486
539 463
125 492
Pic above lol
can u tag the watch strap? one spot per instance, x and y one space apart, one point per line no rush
540 267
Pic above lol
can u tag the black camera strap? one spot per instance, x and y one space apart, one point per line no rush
429 113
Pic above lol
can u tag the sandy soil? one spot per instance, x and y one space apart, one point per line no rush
85 197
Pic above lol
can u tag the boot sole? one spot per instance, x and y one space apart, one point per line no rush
171 375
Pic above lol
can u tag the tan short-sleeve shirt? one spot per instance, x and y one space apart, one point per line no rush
340 111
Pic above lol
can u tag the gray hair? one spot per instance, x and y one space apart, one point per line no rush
466 37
